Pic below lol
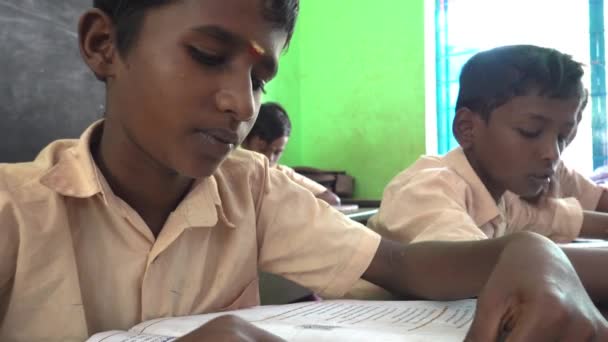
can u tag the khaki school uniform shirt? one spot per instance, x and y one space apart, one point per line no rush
569 183
75 259
442 198
303 181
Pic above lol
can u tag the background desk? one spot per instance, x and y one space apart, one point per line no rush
586 243
361 214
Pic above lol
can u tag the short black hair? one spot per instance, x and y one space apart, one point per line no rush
128 15
272 123
493 77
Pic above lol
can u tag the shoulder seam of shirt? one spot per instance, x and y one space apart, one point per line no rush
454 177
14 188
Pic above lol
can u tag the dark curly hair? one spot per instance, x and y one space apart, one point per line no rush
272 123
493 77
128 15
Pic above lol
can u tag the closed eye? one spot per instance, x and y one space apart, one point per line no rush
258 84
529 134
211 60
205 58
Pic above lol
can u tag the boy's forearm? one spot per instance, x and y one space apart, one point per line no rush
590 265
437 270
602 204
595 225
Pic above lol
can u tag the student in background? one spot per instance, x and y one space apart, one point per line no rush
153 213
269 136
517 108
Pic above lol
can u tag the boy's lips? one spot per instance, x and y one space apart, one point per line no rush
220 135
544 174
542 178
216 143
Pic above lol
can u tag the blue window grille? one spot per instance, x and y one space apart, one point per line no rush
598 82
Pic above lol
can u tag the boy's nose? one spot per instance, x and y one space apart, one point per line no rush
551 150
237 98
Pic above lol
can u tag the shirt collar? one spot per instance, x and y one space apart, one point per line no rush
202 206
484 208
76 175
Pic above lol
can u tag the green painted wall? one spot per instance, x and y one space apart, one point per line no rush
285 89
353 83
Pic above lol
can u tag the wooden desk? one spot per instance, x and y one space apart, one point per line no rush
362 202
586 243
361 214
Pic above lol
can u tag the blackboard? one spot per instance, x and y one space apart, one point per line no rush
46 90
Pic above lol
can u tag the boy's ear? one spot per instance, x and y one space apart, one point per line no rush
97 43
463 127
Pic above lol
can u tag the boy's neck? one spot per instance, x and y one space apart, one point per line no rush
495 190
151 189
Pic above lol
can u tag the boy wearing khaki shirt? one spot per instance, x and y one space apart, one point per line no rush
513 119
442 198
269 136
152 213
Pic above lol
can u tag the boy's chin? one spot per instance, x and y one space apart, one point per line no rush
199 169
531 195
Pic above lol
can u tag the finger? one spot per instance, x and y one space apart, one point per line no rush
268 337
582 330
594 329
258 334
265 336
539 325
488 321
602 332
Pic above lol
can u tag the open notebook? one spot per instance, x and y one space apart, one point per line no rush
330 320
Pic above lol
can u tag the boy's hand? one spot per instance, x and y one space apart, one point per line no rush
329 197
229 329
534 294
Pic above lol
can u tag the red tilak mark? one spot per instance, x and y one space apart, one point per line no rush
255 49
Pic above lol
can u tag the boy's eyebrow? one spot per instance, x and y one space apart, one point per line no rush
544 118
230 38
538 117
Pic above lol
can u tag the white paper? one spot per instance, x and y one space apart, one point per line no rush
123 336
345 208
341 320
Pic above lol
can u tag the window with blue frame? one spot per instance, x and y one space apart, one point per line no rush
598 82
464 27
